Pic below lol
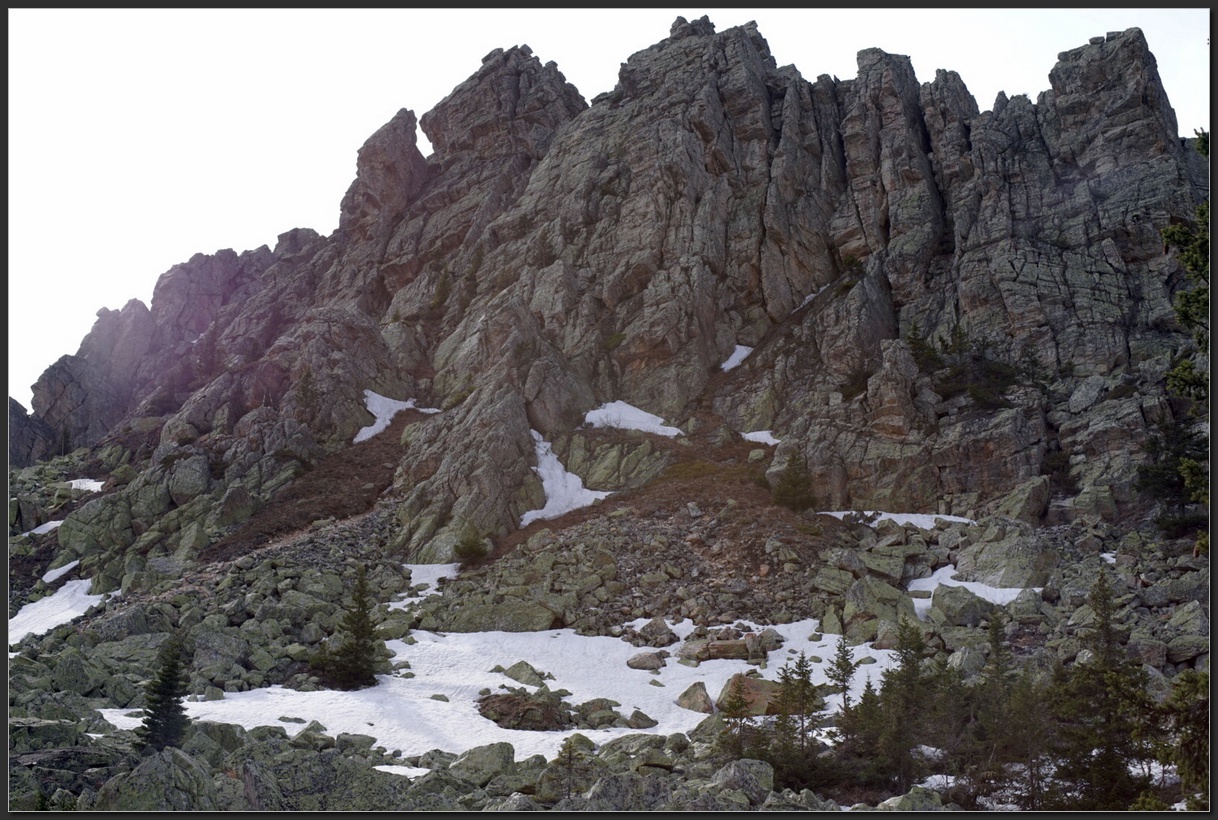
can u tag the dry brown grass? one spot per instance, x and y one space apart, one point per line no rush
343 484
349 482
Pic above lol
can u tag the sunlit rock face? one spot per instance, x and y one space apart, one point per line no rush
553 255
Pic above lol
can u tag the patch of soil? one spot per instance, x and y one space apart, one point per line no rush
343 484
703 472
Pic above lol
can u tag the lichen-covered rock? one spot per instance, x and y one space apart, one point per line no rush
31 733
1008 558
169 780
754 778
482 764
648 661
958 606
551 256
918 798
657 633
523 672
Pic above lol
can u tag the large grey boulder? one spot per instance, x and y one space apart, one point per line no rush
753 778
512 615
696 698
482 764
628 791
1008 557
169 780
955 605
30 733
656 632
1191 586
919 798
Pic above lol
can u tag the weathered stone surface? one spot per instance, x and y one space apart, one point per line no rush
518 277
552 255
483 763
29 438
509 616
657 633
760 695
1193 586
918 798
696 699
1187 647
755 778
627 792
649 661
170 780
870 598
27 734
957 606
540 712
523 672
1012 560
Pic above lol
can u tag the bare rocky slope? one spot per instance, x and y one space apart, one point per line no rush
553 255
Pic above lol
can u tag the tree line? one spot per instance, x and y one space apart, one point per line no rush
1081 736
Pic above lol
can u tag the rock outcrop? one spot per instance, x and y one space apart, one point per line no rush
29 438
944 311
552 255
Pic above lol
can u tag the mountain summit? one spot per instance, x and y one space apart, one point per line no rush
619 359
553 256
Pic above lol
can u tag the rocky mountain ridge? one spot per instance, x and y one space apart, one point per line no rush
553 255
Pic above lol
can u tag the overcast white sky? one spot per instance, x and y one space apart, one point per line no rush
139 138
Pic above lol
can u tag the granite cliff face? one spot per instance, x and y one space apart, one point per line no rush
944 311
553 255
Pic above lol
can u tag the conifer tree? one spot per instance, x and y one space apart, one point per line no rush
858 747
793 489
994 691
903 695
735 714
841 671
799 700
573 765
1027 740
951 719
1187 711
165 718
1102 712
354 662
790 743
991 744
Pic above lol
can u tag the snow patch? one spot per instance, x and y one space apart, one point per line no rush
68 603
760 436
628 417
401 712
53 575
738 355
427 576
924 521
92 485
383 409
47 527
564 491
812 296
946 576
